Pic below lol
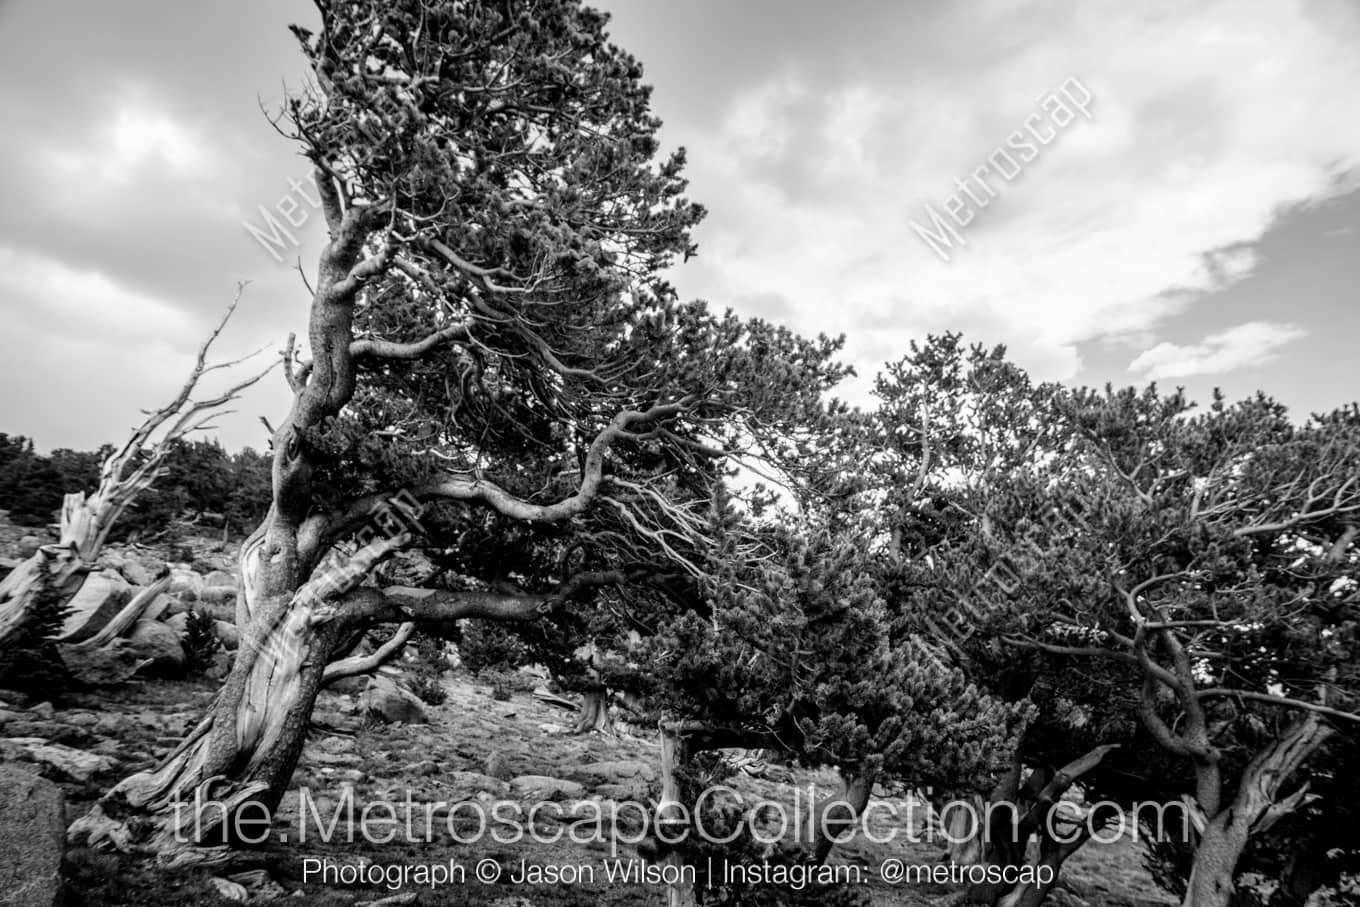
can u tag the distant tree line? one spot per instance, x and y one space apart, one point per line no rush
199 478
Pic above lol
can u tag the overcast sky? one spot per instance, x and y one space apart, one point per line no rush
1198 227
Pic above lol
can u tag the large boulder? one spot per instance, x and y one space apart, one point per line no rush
159 645
101 596
626 779
618 772
227 634
185 584
101 666
32 838
218 595
467 785
390 703
136 570
179 622
545 789
220 578
67 761
161 606
223 610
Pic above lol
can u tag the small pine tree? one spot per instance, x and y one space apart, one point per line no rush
200 641
32 665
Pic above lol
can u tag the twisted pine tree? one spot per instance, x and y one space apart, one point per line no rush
489 338
1181 584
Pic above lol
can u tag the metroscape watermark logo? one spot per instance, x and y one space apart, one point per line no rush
806 819
1057 110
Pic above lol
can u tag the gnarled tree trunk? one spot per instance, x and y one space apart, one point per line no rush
839 815
1254 809
1030 809
595 715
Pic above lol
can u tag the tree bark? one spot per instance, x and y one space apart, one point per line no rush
675 752
222 784
595 715
1255 808
849 806
1003 834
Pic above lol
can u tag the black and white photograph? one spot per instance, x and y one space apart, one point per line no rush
721 453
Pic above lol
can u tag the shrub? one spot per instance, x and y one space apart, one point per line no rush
487 646
200 641
427 667
31 663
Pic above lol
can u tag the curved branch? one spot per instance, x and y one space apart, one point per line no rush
499 499
388 349
406 603
1283 701
366 664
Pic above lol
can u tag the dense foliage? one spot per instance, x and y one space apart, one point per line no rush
199 480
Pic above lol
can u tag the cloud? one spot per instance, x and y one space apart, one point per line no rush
93 352
1244 346
1209 122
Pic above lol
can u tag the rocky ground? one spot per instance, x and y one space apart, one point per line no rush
371 745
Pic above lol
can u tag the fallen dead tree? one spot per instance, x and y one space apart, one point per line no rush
55 573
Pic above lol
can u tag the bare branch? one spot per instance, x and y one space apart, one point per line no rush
388 349
499 499
367 664
1282 701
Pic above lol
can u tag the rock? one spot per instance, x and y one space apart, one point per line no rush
225 611
635 791
396 900
220 578
220 667
159 644
227 634
335 744
388 702
28 546
354 685
498 766
161 606
619 772
623 779
178 622
133 569
104 666
335 759
32 838
43 711
100 598
177 605
112 724
218 595
75 764
544 788
232 891
469 784
185 584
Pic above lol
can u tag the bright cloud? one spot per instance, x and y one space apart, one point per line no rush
137 139
1207 121
93 352
1244 346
